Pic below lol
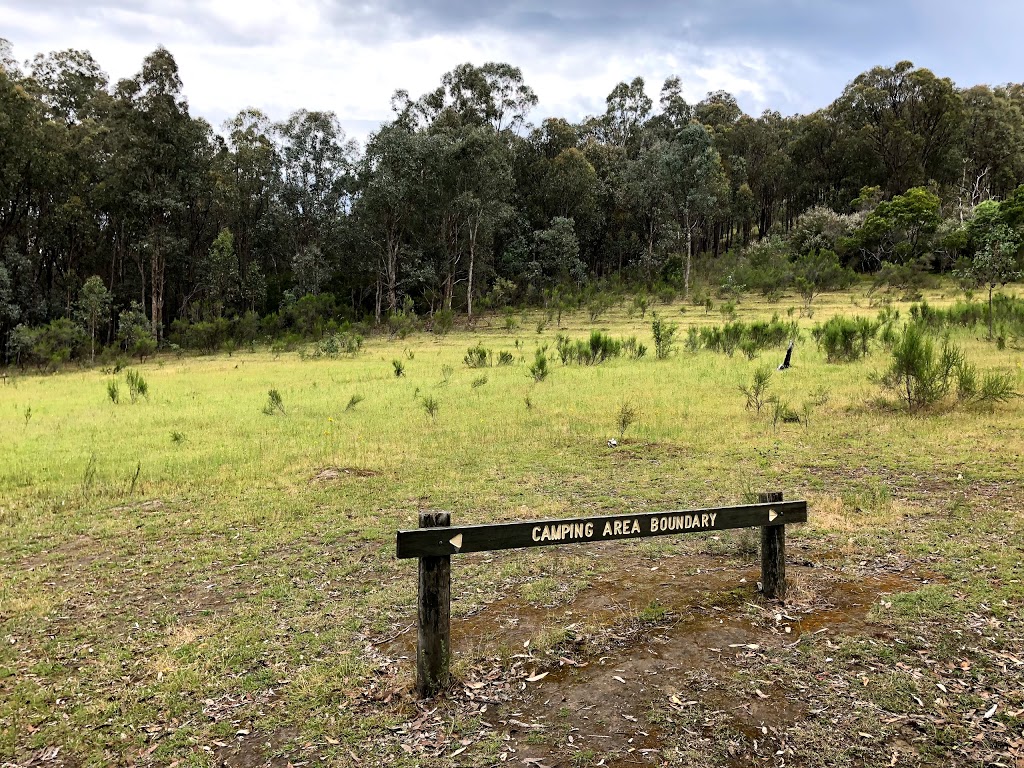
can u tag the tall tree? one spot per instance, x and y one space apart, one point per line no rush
627 109
93 308
696 184
389 175
909 120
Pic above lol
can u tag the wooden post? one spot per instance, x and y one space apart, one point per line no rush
773 554
433 640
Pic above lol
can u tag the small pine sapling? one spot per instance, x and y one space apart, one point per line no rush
274 403
626 417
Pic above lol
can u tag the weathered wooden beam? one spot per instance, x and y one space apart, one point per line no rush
431 542
773 554
433 639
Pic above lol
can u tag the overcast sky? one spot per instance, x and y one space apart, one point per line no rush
282 55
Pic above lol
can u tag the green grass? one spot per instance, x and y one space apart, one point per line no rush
185 567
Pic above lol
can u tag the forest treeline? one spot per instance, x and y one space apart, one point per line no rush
126 221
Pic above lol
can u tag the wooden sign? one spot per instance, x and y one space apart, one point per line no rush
435 541
432 542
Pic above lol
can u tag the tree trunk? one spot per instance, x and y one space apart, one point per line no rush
990 318
689 256
157 267
472 262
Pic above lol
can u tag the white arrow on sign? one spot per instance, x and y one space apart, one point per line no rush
456 541
772 514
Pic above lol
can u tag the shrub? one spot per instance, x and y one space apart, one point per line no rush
113 392
633 349
479 381
274 403
505 358
598 305
593 351
663 336
756 392
58 342
767 267
399 368
640 304
477 357
137 385
749 338
692 339
997 388
602 347
845 339
134 332
336 344
626 417
666 293
511 323
401 324
917 376
539 369
443 322
1007 311
353 402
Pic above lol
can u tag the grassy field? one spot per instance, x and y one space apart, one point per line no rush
190 581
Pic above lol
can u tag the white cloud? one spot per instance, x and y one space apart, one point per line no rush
314 54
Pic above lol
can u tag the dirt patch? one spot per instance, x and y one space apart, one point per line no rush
677 636
337 473
144 506
251 749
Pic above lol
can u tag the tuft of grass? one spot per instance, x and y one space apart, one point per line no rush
399 368
431 406
113 391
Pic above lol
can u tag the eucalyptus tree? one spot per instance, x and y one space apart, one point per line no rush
484 197
494 94
995 261
676 113
909 122
696 184
249 200
717 111
645 188
627 110
317 164
993 146
390 174
93 308
162 177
